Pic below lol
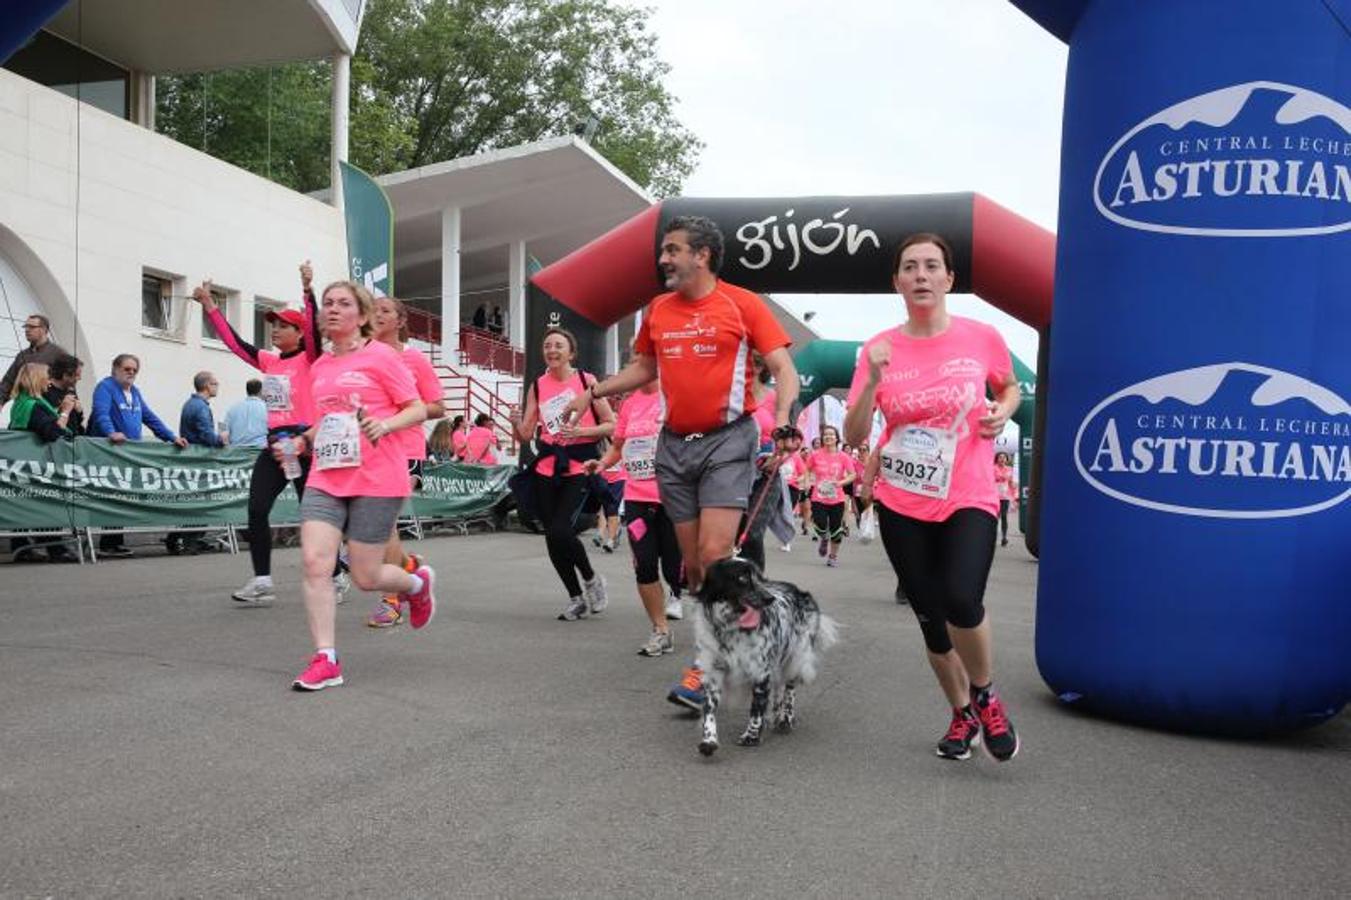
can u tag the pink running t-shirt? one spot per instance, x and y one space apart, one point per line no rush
637 427
932 397
797 467
764 417
551 397
457 442
286 379
480 448
827 470
1005 484
375 380
428 385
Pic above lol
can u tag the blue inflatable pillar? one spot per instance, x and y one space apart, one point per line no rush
1196 531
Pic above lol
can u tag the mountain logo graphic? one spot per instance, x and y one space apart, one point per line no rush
1260 159
1233 440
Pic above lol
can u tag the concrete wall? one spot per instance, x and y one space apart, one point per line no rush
88 202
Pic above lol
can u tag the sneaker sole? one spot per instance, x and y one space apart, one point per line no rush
254 601
685 702
431 602
299 685
370 624
1017 745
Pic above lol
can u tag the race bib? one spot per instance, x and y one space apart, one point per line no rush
919 460
551 411
277 393
640 457
827 490
338 443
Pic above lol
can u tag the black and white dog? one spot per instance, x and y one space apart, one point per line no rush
768 634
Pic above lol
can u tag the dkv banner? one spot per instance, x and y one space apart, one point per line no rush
90 482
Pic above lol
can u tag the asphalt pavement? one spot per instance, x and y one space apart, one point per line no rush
152 746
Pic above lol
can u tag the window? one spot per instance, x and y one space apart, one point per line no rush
75 72
262 328
156 302
222 299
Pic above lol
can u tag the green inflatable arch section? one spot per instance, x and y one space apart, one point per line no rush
826 365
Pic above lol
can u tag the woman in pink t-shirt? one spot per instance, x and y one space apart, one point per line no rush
829 470
363 396
560 480
481 445
935 495
459 433
390 327
652 537
1007 486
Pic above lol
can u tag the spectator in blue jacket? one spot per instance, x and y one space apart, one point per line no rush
119 410
117 413
196 423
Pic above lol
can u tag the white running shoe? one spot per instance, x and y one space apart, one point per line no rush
576 609
593 592
258 592
342 583
674 610
786 548
657 643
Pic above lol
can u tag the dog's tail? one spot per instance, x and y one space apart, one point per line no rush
827 633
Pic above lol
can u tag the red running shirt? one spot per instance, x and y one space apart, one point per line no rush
703 352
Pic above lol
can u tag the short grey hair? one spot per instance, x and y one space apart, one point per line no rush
703 233
201 380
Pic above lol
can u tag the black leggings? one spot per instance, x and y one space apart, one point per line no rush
828 520
558 503
942 566
267 484
1004 520
657 547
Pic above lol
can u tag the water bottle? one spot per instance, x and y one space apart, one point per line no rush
290 459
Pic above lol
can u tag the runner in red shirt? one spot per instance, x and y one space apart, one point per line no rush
391 328
936 495
699 339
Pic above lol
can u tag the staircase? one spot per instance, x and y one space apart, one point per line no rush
468 390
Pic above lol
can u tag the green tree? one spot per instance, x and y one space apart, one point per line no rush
440 79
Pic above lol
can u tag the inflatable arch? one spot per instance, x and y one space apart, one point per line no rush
836 245
825 365
1197 503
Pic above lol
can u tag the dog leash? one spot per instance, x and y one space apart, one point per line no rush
771 476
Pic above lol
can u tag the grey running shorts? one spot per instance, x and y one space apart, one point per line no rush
366 520
711 470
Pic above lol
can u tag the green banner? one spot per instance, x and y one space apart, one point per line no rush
90 482
370 231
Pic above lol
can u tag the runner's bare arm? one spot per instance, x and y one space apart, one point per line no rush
411 413
1006 403
786 384
637 373
609 458
525 425
858 420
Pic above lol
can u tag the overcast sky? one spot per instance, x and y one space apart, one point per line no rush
795 98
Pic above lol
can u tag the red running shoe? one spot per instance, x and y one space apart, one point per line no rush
422 605
963 734
1001 741
319 674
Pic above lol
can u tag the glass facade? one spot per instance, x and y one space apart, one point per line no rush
64 67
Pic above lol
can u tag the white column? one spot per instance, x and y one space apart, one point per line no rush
342 79
516 291
612 350
450 286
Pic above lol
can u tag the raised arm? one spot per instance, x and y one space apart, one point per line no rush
238 346
314 339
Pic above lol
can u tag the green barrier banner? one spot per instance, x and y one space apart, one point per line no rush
90 482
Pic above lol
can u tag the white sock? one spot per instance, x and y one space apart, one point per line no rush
417 584
263 580
330 652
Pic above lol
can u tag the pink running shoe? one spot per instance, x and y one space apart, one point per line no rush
422 605
319 674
